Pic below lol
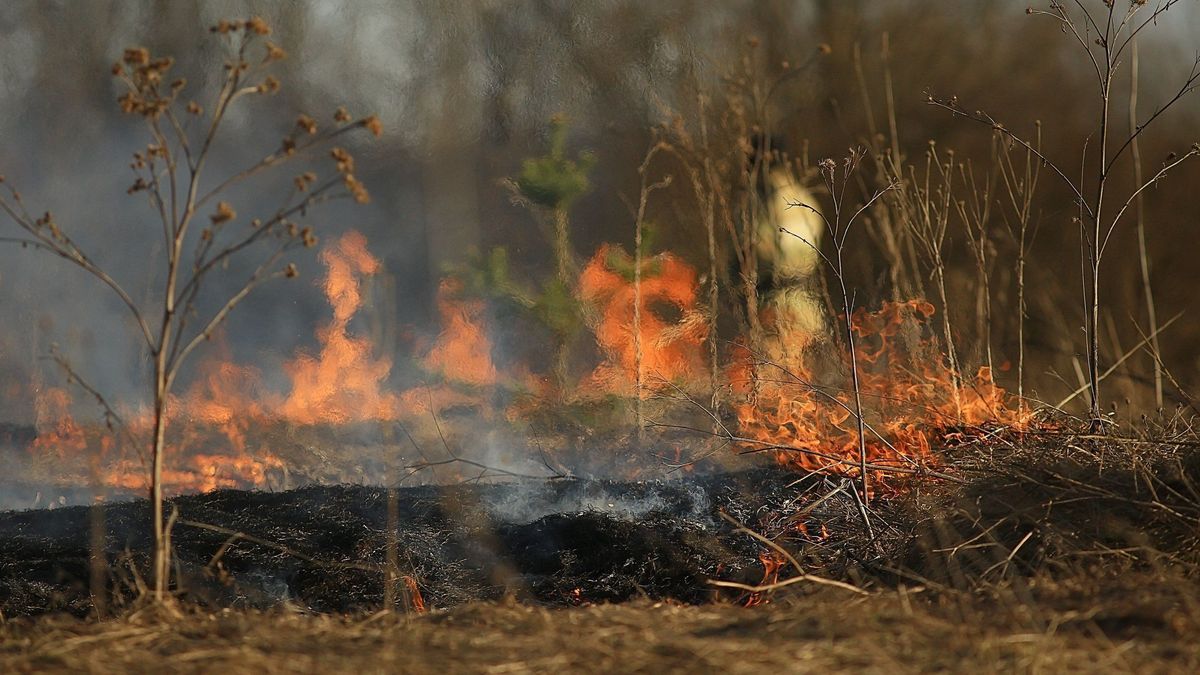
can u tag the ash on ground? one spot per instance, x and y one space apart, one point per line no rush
323 548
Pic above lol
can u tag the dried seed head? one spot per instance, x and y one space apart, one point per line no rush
137 56
345 162
223 213
341 116
356 189
290 271
304 180
373 125
269 85
308 124
275 52
258 26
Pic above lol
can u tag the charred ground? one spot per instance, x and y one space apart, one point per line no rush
323 547
1055 551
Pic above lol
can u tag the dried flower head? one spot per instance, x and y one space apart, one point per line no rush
308 124
356 189
373 125
308 238
224 27
269 85
194 108
304 180
341 115
258 26
344 160
275 52
136 56
290 271
224 213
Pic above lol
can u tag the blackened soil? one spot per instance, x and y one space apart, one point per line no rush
325 547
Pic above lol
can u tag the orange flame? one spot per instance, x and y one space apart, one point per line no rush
57 431
463 351
909 395
344 381
670 350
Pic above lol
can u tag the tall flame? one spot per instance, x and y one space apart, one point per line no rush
343 382
463 351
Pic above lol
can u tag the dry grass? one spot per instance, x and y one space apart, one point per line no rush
896 631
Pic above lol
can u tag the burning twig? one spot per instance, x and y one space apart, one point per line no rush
838 231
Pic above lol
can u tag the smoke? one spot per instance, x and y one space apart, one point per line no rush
526 502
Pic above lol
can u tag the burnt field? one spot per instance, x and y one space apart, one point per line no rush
604 337
324 548
1036 560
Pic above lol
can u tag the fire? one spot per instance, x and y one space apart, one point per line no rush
57 431
910 398
787 396
669 350
344 382
772 563
463 351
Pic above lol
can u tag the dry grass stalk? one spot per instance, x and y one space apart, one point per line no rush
169 173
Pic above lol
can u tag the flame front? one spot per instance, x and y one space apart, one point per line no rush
788 396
